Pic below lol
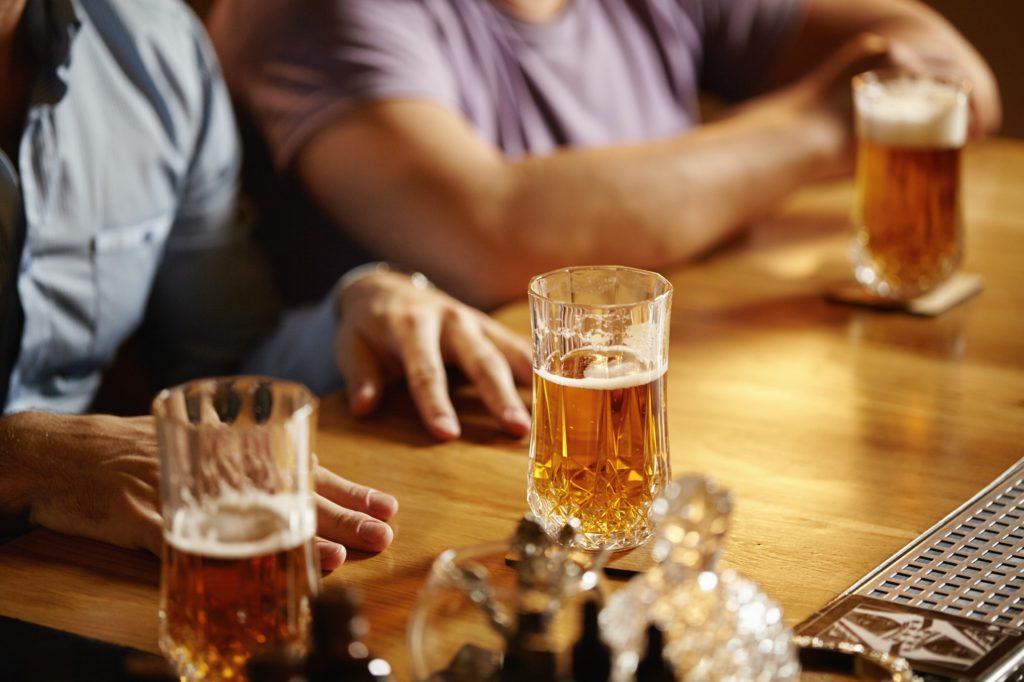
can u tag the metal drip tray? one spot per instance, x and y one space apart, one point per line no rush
952 601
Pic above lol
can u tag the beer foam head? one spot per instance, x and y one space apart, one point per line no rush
910 111
610 368
248 526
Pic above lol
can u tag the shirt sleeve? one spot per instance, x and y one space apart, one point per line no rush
741 40
302 348
295 70
214 308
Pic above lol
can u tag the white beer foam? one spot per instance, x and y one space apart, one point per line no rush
605 377
912 112
243 526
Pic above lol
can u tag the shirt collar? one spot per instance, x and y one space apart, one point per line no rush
52 26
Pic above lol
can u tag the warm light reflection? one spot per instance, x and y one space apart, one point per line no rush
865 400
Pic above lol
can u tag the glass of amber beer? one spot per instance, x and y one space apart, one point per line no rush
236 489
599 447
910 128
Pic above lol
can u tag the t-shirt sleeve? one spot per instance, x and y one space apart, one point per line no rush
295 67
741 40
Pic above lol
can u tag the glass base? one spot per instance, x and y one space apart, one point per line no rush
900 284
593 536
182 660
894 291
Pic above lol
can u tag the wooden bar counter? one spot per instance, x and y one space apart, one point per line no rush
844 432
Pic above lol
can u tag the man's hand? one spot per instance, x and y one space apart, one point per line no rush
840 39
390 326
95 476
98 476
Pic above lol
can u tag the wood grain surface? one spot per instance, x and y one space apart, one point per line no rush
844 432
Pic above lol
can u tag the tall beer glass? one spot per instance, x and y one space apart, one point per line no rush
908 233
236 488
599 447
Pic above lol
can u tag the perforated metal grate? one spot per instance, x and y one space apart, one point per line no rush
969 565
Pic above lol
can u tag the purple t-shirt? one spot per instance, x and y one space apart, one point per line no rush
602 72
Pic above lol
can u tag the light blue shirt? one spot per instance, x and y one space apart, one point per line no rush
128 169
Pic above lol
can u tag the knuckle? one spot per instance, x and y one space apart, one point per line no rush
423 376
452 313
338 520
487 365
480 365
411 317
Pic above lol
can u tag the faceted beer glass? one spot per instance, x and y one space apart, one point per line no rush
907 217
599 447
239 565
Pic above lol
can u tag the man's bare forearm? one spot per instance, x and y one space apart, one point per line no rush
480 225
654 204
15 471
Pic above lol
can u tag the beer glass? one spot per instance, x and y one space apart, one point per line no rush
239 565
598 447
907 220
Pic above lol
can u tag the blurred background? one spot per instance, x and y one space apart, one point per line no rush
993 26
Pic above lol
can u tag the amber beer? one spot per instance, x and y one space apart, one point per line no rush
599 450
235 582
907 220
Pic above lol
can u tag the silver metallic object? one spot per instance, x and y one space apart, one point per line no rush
952 601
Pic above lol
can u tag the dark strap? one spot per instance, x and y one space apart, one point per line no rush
12 237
